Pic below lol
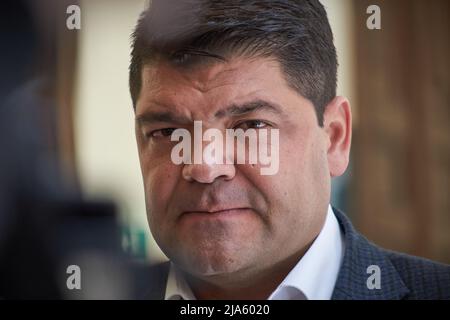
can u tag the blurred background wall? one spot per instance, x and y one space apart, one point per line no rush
107 159
401 149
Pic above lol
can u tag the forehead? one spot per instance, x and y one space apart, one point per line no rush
209 75
215 83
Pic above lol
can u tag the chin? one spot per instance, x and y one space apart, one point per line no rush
213 265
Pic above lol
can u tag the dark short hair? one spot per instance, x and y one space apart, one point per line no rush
295 32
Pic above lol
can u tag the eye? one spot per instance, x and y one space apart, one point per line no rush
161 133
252 124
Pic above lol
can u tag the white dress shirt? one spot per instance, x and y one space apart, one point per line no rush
313 277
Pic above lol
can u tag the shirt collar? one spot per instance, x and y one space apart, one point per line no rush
316 273
177 288
312 278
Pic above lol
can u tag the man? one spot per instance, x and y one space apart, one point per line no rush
229 231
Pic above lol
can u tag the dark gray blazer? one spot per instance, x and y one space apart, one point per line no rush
401 276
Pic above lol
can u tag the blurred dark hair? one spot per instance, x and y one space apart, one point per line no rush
188 32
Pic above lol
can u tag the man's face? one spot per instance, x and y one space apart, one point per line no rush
213 219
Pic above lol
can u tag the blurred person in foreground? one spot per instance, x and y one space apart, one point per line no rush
230 232
45 223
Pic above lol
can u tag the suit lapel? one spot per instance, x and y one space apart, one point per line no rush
353 275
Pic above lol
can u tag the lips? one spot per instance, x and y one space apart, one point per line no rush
228 214
219 199
216 211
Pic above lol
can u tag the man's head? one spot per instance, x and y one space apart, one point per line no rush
208 61
296 33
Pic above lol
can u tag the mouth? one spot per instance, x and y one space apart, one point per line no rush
216 214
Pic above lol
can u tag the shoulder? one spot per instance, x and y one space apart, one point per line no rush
402 276
424 278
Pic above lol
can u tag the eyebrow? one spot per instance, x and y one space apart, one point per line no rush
248 107
231 110
164 116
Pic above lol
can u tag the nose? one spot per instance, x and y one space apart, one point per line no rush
207 173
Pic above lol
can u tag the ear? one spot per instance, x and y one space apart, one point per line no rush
338 128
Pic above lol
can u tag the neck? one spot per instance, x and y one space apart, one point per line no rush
243 285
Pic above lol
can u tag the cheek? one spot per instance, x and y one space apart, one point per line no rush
309 178
294 161
159 184
286 187
301 179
